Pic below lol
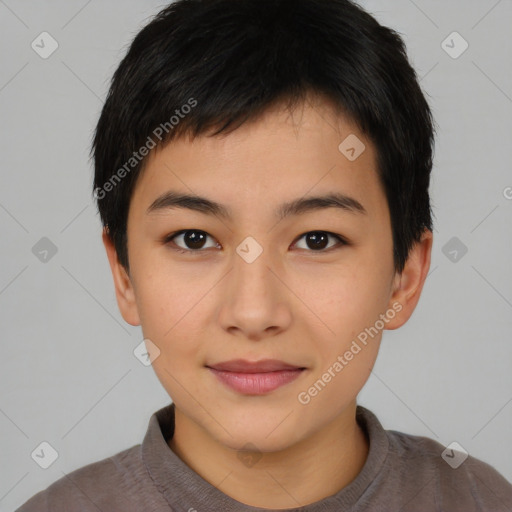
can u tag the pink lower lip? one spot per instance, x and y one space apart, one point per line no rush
256 383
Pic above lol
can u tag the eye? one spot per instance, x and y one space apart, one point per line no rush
194 240
317 240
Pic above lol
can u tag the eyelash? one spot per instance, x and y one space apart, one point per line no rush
169 239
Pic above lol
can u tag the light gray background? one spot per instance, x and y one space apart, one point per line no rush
68 375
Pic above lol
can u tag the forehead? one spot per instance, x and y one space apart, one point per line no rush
264 163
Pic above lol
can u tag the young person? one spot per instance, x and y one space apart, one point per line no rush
262 171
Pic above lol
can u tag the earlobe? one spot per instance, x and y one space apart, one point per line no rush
408 285
125 294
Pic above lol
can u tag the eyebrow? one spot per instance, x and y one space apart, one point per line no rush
171 199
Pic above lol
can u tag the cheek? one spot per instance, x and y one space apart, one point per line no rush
347 297
348 304
168 304
170 320
347 351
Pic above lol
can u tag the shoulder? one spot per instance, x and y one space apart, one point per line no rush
455 479
115 483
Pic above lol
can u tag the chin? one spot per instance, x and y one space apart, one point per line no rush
262 434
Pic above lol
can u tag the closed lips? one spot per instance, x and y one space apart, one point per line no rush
262 366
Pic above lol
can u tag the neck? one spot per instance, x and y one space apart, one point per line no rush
303 473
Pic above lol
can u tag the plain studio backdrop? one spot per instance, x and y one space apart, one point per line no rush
69 376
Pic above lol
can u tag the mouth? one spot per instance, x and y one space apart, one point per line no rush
255 377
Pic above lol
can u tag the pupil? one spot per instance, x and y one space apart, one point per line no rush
318 239
194 239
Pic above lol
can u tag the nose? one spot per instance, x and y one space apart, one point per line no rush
256 302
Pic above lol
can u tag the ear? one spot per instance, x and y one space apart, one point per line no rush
407 286
124 290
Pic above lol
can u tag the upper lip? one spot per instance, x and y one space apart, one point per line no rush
262 366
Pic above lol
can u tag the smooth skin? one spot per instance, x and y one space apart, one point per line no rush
294 303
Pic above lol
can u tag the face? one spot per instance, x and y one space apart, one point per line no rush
250 279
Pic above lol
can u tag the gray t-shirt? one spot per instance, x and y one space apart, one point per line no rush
402 473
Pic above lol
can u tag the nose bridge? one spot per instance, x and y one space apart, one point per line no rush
251 272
